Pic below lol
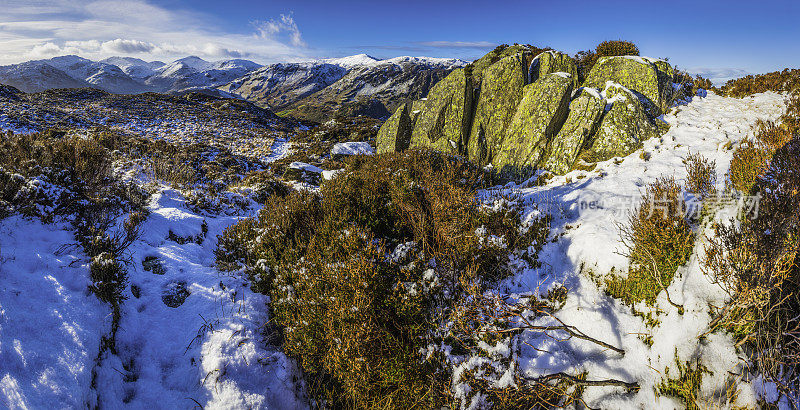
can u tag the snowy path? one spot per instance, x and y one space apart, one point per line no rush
591 238
207 350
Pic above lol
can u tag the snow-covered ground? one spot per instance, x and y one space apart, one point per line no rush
587 208
210 349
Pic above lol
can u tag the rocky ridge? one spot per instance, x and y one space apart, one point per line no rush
519 112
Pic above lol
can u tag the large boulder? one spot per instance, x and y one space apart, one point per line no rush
540 115
395 133
480 65
442 121
585 111
553 62
623 128
638 74
501 92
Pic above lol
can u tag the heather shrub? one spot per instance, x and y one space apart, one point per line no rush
778 81
701 179
753 156
362 276
749 161
755 262
658 240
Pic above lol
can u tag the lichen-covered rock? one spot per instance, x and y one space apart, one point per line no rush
480 65
553 62
666 75
501 92
395 133
585 111
622 129
539 116
442 121
637 74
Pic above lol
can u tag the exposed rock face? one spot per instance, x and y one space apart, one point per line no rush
538 118
623 128
518 113
444 123
553 62
585 112
635 73
501 92
395 134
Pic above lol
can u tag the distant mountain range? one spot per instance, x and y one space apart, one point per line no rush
355 85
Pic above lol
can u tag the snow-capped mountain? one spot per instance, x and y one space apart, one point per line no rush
135 67
124 75
35 76
360 84
279 85
357 85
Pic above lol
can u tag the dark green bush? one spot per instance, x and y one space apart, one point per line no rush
616 48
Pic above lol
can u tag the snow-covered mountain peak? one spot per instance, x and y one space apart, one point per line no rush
352 61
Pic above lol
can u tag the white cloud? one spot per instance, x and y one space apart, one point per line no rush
121 46
275 29
32 29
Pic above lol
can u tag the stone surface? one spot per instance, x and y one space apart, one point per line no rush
480 65
553 62
623 127
633 72
585 111
175 293
395 133
152 264
443 124
501 92
539 116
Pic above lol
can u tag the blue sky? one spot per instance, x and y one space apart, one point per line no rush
726 38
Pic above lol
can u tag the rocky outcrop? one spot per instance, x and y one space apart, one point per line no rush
500 93
538 118
518 113
585 111
553 62
444 122
623 127
635 73
395 134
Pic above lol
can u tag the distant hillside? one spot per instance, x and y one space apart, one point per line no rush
314 90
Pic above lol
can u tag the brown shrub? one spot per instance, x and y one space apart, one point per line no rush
701 179
749 161
757 264
658 240
756 260
360 276
778 81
